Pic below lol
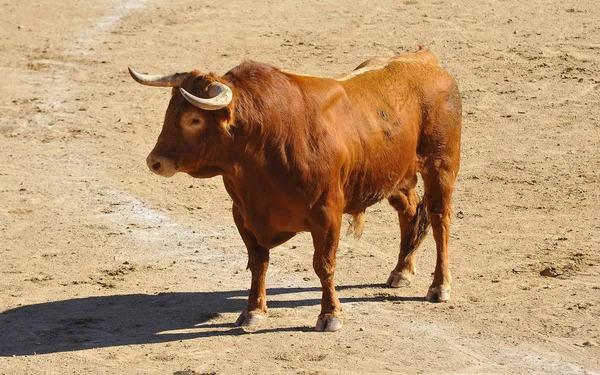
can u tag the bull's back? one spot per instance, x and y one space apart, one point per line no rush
377 63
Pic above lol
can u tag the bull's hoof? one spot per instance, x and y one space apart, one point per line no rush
397 280
249 320
328 324
438 294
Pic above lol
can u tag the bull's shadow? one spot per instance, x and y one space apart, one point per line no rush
96 322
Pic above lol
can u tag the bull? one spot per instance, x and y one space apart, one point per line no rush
297 152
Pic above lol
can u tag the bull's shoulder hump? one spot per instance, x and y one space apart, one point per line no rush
311 82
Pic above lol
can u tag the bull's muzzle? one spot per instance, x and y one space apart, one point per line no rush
161 166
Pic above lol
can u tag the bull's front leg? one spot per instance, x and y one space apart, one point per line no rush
325 230
258 263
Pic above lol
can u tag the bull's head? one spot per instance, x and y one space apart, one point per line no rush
196 127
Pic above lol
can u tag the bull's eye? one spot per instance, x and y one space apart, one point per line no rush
192 121
195 123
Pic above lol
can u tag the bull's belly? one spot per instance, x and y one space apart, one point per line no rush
365 192
270 220
288 221
359 203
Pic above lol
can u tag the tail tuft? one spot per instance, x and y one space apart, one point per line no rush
421 225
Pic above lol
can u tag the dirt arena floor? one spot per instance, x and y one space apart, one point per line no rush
106 268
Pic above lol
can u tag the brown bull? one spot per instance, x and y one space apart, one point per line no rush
297 152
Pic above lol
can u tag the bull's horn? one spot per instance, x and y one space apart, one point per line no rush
173 80
221 97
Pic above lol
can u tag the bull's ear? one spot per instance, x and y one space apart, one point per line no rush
224 117
174 90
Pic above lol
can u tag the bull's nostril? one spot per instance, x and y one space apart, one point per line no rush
156 167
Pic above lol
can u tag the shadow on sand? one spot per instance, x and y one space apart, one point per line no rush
97 322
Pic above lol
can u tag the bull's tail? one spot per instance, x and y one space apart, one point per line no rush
357 225
421 225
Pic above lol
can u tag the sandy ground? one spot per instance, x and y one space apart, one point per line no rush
108 269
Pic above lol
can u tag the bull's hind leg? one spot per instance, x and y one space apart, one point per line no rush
439 183
440 152
413 228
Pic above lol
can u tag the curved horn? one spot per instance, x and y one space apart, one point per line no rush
173 80
221 97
